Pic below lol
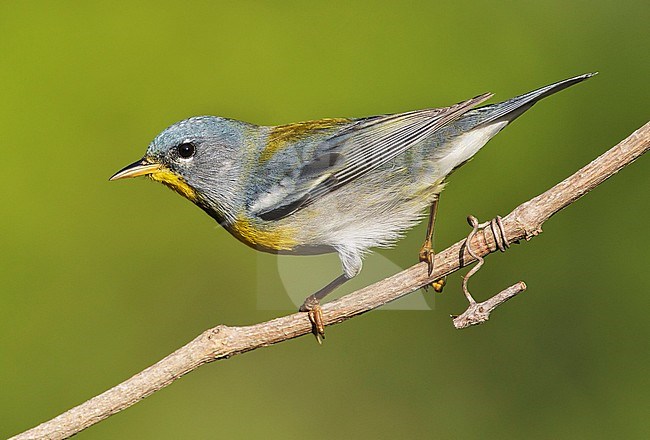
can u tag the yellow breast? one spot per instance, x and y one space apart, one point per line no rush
279 238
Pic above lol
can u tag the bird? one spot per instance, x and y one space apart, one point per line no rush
343 185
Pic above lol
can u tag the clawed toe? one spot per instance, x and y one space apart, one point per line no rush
315 312
426 256
439 284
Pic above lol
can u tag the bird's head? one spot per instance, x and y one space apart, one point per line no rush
200 158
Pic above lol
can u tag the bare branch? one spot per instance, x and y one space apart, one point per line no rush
221 342
478 313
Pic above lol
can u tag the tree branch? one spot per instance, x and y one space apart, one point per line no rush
222 342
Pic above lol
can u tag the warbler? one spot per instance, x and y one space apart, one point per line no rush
341 185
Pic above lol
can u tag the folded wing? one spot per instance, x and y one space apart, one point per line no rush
351 152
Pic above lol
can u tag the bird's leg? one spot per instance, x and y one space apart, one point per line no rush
313 308
426 252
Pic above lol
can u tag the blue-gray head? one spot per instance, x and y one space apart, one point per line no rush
200 158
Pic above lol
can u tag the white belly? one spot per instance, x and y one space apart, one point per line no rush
465 146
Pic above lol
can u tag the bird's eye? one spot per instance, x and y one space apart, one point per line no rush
186 150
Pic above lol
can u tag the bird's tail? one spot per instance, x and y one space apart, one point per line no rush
511 109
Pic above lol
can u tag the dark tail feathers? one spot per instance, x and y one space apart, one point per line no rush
512 108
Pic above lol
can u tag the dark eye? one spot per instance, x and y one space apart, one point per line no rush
186 150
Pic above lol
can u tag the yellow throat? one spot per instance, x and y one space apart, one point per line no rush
175 182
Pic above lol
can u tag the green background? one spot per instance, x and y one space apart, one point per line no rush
99 280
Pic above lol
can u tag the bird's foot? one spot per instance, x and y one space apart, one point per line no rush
315 312
426 255
439 284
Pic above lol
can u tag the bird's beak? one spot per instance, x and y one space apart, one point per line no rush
141 167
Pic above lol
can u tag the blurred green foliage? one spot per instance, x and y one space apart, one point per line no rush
100 280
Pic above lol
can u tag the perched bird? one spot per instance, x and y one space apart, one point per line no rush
330 185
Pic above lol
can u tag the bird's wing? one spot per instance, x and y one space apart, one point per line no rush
349 153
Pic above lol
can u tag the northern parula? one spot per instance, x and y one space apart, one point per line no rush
331 185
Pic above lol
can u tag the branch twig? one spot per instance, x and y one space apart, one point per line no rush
222 342
478 313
